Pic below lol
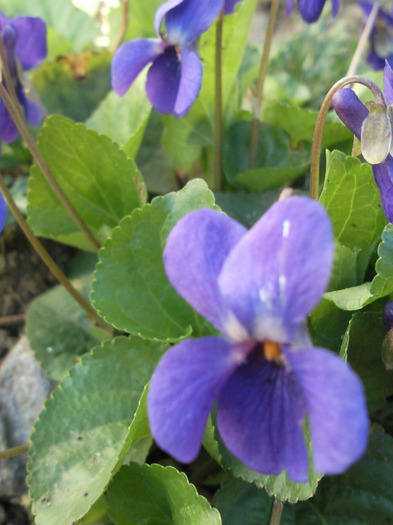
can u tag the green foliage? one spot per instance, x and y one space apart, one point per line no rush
130 289
157 494
74 85
58 329
101 182
84 432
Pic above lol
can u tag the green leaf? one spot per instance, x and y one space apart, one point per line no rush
344 273
350 299
299 123
157 494
363 495
362 345
58 329
184 138
131 289
246 504
246 208
123 119
327 324
382 284
101 182
74 85
279 166
279 486
81 436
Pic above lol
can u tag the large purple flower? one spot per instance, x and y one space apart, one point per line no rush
175 77
311 9
353 113
381 37
24 40
257 288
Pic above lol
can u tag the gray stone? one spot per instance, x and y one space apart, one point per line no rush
23 390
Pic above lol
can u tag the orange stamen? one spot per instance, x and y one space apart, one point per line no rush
272 350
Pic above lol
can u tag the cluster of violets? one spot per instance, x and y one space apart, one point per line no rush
174 79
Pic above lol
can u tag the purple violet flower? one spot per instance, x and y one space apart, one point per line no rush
229 6
311 9
175 76
3 212
257 288
24 40
353 113
381 37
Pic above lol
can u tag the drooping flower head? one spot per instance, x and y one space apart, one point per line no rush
311 9
24 40
356 116
381 37
257 288
175 76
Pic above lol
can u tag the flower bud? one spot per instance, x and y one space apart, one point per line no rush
376 134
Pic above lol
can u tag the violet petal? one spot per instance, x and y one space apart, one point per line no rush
190 81
229 6
336 408
163 81
311 9
31 46
260 418
277 272
383 174
194 254
350 110
388 83
130 59
8 130
3 212
183 390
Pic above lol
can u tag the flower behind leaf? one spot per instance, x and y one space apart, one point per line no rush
257 288
24 41
311 9
381 37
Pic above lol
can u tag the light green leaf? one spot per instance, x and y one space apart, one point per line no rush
131 289
101 182
58 329
246 208
350 299
123 119
74 85
159 495
82 435
382 284
327 324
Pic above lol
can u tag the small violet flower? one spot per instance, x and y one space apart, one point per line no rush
354 114
175 76
24 41
381 37
3 212
257 287
311 10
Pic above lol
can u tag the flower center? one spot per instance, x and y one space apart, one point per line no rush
272 351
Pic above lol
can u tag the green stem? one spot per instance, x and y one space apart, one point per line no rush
218 102
13 452
47 259
363 40
123 27
12 104
319 126
257 99
275 518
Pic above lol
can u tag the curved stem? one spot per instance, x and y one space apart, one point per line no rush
363 40
123 27
318 131
218 102
14 109
50 263
257 99
275 518
13 452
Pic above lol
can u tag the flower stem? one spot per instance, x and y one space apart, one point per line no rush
123 27
275 518
218 102
319 126
363 40
257 99
47 259
13 452
12 104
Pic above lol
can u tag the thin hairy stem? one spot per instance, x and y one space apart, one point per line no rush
13 452
319 126
50 263
12 104
257 99
363 40
123 27
218 103
275 518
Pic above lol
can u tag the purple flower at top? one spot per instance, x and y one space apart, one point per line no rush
3 212
24 40
353 113
229 6
257 288
311 9
381 37
175 76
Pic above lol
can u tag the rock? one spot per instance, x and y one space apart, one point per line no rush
23 390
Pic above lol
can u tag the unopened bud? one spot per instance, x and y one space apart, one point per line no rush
376 134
